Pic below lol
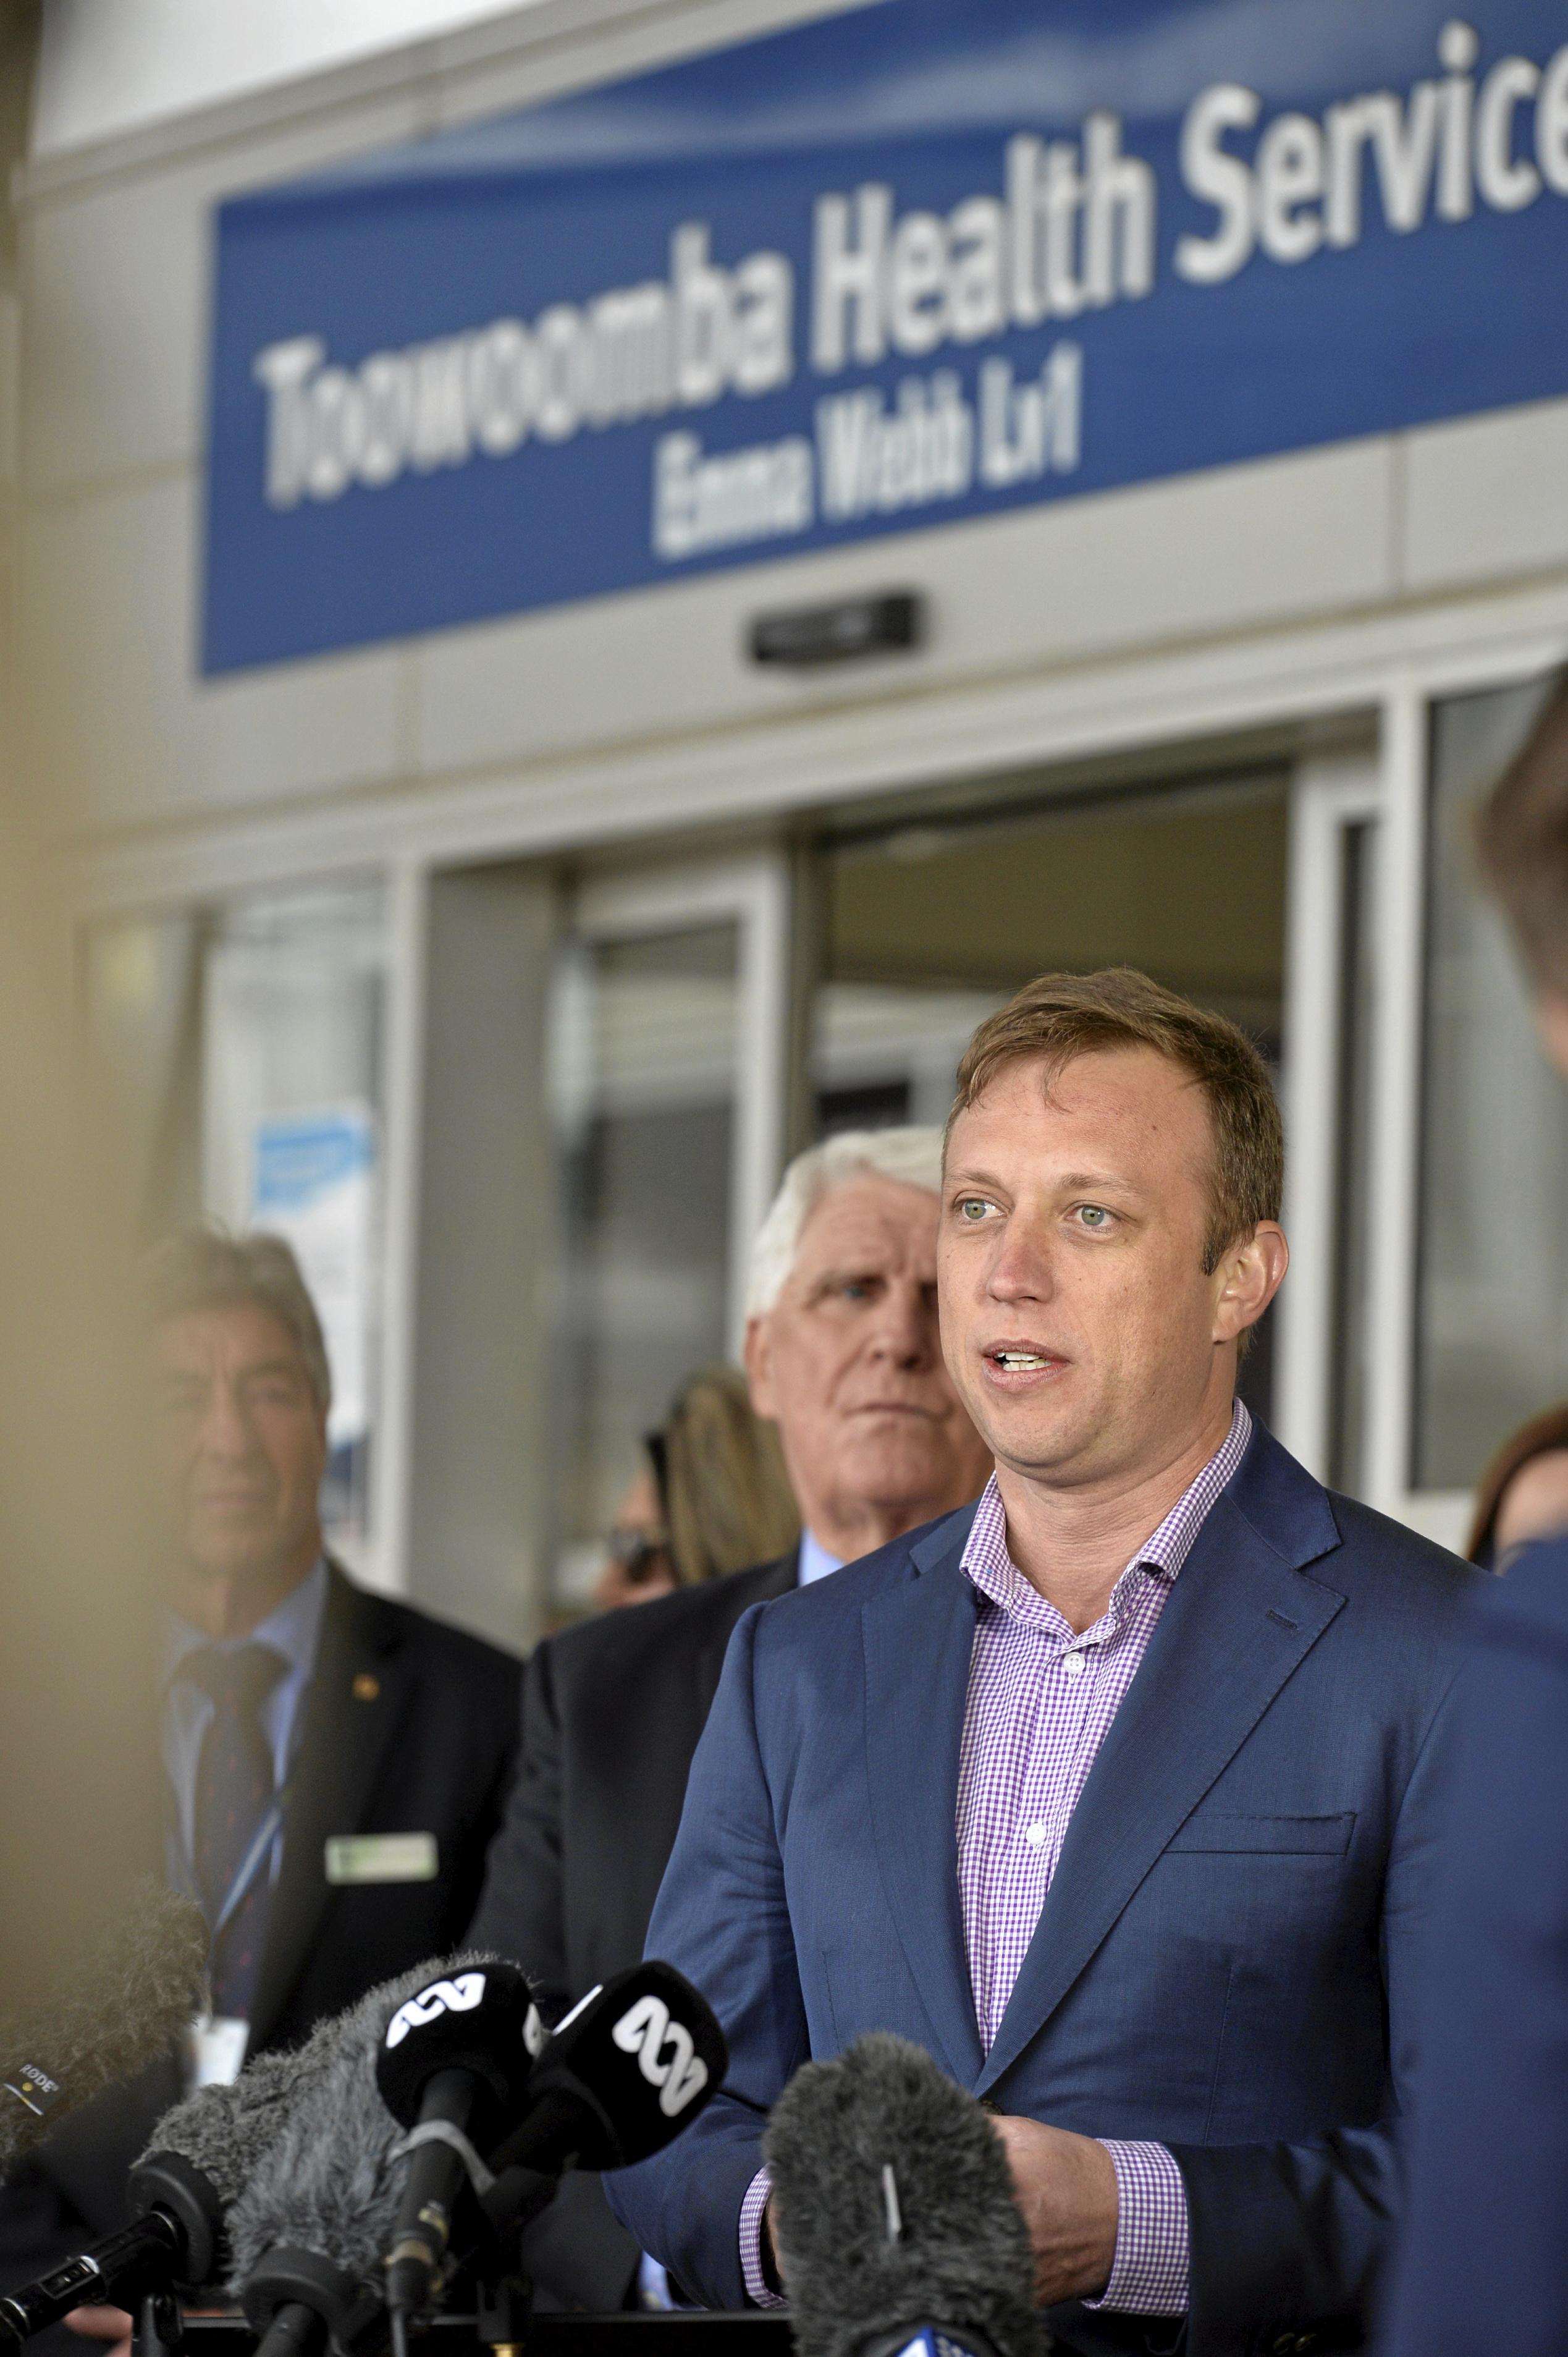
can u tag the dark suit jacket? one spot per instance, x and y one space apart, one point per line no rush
1223 1962
410 1727
611 1715
1484 2263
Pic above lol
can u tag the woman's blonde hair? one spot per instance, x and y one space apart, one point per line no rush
727 1500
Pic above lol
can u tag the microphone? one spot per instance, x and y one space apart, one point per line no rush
200 2157
118 2011
453 2067
308 2231
898 2233
629 2068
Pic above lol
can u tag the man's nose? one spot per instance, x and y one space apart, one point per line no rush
225 1429
907 1327
1021 1269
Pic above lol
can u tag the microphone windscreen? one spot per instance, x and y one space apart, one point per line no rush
482 2021
894 2206
638 2059
328 2181
122 2008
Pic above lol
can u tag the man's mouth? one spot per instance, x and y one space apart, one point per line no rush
1021 1359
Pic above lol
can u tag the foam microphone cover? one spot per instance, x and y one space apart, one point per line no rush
960 2259
328 2182
129 2000
481 2020
625 2072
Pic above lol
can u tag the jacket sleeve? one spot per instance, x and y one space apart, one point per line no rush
723 1918
1289 2240
520 1911
1484 2256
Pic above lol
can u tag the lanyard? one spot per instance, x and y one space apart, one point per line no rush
250 1865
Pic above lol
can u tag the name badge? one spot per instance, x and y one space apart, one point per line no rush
381 1857
215 2050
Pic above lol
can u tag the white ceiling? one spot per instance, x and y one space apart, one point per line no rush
107 66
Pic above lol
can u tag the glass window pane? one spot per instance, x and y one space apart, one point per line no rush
642 1055
1353 1148
1492 1334
293 1001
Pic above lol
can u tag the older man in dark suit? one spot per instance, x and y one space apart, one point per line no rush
336 1761
843 1355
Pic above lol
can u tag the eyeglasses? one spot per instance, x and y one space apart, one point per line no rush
639 1553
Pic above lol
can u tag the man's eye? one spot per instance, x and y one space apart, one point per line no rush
1092 1216
972 1208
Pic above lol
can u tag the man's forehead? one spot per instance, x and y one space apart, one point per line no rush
868 1211
224 1333
1134 1095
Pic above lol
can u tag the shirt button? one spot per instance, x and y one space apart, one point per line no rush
1073 1664
1034 1835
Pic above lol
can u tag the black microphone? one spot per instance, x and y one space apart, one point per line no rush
894 2213
201 2154
453 2070
629 2068
118 2011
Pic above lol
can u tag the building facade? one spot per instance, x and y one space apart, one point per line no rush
470 901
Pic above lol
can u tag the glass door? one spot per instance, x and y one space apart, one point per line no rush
666 1068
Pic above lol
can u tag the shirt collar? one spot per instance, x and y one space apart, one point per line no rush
290 1629
989 1564
815 1561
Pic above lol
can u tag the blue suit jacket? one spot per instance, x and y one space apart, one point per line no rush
1485 2257
1222 1962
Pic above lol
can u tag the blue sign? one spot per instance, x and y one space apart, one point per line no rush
928 261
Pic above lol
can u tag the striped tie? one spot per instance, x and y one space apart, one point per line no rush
235 1787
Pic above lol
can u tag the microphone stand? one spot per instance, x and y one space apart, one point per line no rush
160 2326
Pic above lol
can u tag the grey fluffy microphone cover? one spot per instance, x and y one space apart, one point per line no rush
118 2011
951 2248
328 2181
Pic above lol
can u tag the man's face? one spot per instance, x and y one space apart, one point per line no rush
848 1362
1079 1323
244 1445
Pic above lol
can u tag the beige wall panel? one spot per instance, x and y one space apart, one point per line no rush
114 358
1488 496
121 730
1281 539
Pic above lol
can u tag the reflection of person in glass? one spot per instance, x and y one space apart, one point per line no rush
336 1761
1485 2257
710 1496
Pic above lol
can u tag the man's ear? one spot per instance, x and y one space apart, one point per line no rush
758 1356
1250 1275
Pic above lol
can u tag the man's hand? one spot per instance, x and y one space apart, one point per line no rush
103 2324
1065 2187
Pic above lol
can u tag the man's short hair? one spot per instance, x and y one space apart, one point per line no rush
202 1268
1521 835
1058 1017
911 1156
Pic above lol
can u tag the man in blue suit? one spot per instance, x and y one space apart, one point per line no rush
1112 1792
1485 2258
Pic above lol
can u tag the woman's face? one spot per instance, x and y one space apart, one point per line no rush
639 1567
1533 1506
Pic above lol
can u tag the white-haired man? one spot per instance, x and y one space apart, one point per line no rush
843 1354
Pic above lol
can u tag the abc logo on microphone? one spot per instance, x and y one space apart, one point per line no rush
459 1996
665 2053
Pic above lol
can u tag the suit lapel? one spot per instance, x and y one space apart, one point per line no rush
746 1588
355 1698
1239 1619
918 1641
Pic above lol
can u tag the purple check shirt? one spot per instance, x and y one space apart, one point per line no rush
1041 1700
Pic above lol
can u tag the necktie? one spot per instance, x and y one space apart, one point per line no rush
235 1788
